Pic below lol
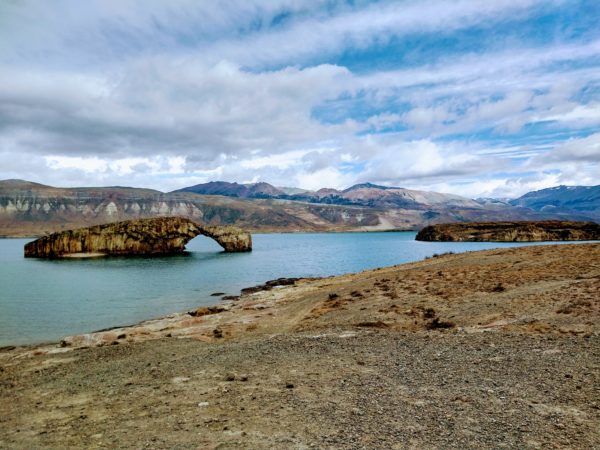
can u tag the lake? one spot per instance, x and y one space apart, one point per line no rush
45 300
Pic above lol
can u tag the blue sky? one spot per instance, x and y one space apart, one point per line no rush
475 98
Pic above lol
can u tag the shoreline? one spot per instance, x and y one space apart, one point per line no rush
248 295
463 350
391 230
231 300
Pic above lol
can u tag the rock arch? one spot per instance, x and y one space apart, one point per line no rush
162 235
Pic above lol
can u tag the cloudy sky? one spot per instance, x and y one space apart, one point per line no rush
478 98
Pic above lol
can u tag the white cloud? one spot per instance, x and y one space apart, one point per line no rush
158 106
375 24
585 149
328 177
503 90
281 161
169 94
582 115
394 161
86 165
75 31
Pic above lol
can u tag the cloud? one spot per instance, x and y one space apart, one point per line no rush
249 32
374 24
157 106
402 163
325 177
470 97
582 150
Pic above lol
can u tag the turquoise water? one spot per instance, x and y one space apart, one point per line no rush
44 300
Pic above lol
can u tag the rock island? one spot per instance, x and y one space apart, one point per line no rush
162 235
532 231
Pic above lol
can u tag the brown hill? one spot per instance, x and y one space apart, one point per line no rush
31 209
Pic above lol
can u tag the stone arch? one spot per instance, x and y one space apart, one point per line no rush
231 238
162 235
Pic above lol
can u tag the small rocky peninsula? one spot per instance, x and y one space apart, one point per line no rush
538 231
162 235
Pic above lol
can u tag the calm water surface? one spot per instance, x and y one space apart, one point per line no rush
44 300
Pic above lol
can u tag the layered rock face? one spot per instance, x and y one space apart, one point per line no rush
162 235
551 230
231 238
31 209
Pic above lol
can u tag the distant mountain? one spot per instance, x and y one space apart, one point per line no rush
365 194
263 190
563 200
292 190
254 190
487 201
31 209
28 209
367 186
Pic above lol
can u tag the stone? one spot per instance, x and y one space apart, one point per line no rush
279 282
533 231
199 312
206 310
158 236
254 289
282 282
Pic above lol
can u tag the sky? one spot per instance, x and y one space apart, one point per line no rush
477 98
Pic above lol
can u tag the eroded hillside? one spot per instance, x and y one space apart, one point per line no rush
30 209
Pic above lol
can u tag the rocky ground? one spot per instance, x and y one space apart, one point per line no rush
491 349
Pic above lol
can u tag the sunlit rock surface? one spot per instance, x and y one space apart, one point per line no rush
550 230
163 235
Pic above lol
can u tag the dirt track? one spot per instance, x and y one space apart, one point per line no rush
481 350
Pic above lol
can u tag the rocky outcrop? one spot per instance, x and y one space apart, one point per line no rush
163 235
550 230
231 238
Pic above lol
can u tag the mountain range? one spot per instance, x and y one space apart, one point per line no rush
30 209
563 200
366 194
